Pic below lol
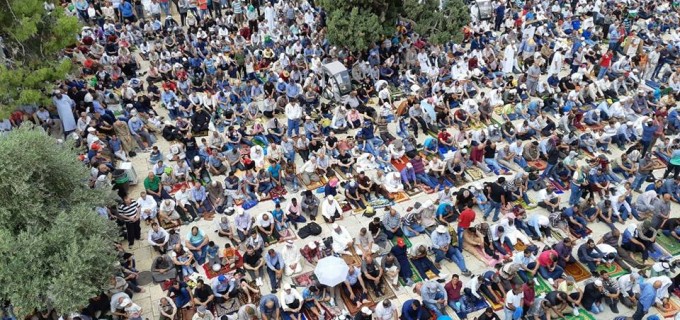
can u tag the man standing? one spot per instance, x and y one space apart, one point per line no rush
65 106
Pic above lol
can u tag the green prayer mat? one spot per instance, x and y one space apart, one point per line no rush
541 286
406 241
614 271
582 315
415 277
670 244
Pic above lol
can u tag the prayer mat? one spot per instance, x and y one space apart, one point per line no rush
177 186
670 244
407 242
538 164
558 187
541 286
415 277
474 173
287 234
254 297
399 197
211 274
287 316
658 164
671 311
346 207
582 315
495 306
400 166
350 305
659 253
379 203
578 271
446 182
305 279
312 184
520 246
588 231
478 253
479 304
387 291
341 175
659 158
351 259
413 192
229 307
614 271
277 192
426 188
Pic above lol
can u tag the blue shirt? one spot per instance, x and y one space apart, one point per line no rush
440 239
273 262
352 278
135 125
199 194
648 132
647 295
441 209
408 313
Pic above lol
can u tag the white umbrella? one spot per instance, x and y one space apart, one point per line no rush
331 271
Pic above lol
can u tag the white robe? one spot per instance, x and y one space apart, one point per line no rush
508 59
65 109
556 64
341 240
291 255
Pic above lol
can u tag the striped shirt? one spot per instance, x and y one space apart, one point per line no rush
129 210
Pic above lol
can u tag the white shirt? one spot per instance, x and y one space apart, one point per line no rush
168 208
288 298
342 239
382 313
147 203
290 255
514 299
328 209
155 235
293 111
627 285
183 198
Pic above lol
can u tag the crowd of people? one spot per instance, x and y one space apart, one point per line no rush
515 147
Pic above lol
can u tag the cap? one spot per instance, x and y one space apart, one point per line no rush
335 226
286 286
441 229
126 302
91 129
221 278
312 245
201 309
197 158
366 311
598 282
330 197
400 242
409 165
240 211
289 242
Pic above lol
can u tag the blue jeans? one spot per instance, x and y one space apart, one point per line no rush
499 245
426 179
595 309
434 306
265 187
293 126
452 254
272 276
575 196
524 275
520 162
458 306
602 73
416 227
555 274
549 171
199 255
493 165
460 231
493 206
639 179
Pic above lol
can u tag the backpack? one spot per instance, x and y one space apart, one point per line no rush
303 233
314 228
555 218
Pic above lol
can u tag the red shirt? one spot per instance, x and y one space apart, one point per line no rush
453 292
444 136
529 295
466 217
544 259
606 60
